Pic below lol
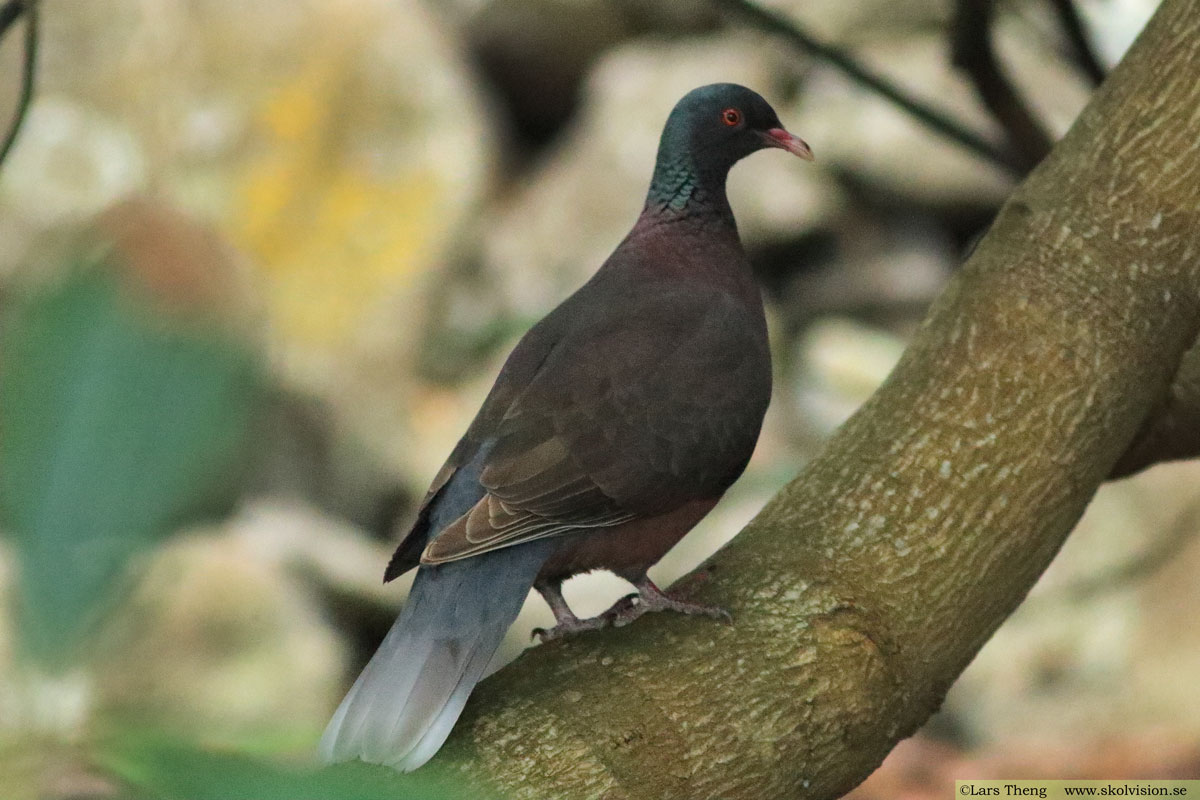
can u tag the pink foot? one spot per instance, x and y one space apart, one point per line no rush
651 598
569 626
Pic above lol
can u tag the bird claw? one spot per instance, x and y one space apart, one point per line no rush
648 598
570 627
632 606
624 611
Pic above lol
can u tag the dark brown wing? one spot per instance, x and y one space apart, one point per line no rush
530 495
518 371
641 413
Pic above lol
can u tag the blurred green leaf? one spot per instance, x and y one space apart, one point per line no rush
174 771
118 423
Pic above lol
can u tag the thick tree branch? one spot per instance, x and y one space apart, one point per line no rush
971 44
866 586
935 119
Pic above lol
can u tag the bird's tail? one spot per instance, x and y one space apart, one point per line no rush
408 697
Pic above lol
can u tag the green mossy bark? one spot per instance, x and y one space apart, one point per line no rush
866 586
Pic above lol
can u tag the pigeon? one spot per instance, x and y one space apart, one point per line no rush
615 425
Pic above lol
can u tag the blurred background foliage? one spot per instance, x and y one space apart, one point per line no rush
259 263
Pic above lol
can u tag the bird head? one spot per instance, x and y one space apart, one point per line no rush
721 123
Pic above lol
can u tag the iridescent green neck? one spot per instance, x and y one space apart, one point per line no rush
681 188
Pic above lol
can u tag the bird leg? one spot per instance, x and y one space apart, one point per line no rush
651 598
566 621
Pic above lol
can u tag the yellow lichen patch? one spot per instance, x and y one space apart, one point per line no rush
330 235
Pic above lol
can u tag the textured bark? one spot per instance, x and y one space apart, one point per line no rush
867 585
1172 431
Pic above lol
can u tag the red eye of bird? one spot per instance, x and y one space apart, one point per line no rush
731 116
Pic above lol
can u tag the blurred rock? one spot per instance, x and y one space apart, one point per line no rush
35 704
880 266
37 769
75 779
841 363
1166 650
219 638
69 162
316 548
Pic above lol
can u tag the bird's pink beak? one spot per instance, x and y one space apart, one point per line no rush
778 137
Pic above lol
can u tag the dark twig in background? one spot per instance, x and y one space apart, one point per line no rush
933 118
1081 46
8 15
971 44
